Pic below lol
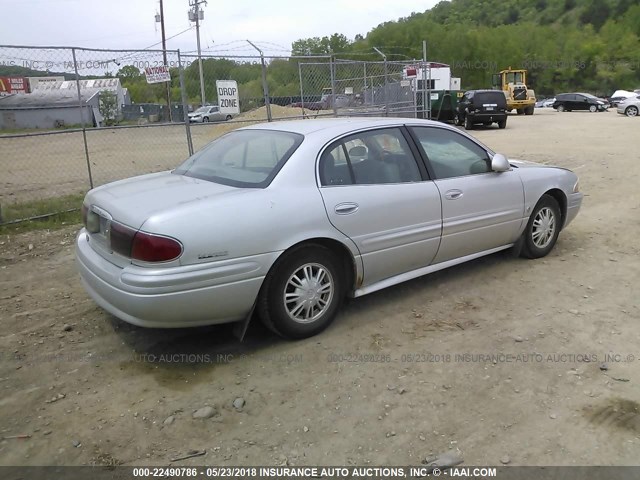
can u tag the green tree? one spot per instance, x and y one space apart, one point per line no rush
108 106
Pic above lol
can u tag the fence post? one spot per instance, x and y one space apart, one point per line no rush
265 85
386 83
301 88
82 122
332 69
185 107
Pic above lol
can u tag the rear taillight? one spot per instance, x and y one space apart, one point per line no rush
143 246
154 248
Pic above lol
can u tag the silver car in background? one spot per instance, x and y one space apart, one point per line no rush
287 218
630 106
210 113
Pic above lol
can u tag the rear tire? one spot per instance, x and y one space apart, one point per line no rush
631 111
520 111
302 293
543 228
502 123
468 124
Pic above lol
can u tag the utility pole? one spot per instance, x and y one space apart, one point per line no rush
195 15
164 57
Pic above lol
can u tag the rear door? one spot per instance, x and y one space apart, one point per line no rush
377 194
481 209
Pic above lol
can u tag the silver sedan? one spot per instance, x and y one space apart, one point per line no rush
630 106
286 219
210 113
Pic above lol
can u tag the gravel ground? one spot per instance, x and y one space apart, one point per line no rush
530 362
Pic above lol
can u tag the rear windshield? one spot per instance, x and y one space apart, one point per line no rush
497 98
243 158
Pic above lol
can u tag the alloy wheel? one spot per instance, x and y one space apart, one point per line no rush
308 293
544 227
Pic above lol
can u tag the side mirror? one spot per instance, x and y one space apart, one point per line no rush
499 163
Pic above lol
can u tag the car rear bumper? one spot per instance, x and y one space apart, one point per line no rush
172 297
480 117
574 202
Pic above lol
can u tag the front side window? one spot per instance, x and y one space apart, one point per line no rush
369 158
452 154
243 158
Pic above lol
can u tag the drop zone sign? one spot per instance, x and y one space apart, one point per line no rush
228 99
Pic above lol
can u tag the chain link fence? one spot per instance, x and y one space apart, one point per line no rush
68 123
365 88
75 118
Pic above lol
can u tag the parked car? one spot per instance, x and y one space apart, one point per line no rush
279 219
545 102
566 102
620 95
210 113
630 107
481 106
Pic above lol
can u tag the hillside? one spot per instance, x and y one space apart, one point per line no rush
492 13
566 44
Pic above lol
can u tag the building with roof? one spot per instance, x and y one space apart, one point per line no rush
55 104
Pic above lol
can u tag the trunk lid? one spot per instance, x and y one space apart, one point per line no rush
133 201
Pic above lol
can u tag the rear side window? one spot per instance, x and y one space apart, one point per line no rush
243 158
369 158
495 98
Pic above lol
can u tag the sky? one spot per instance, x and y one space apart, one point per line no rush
130 24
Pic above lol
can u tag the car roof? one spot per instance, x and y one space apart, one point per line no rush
335 126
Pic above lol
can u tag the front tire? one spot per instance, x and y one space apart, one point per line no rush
456 120
631 111
560 108
542 229
303 292
593 108
205 120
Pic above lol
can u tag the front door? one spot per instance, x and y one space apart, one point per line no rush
481 209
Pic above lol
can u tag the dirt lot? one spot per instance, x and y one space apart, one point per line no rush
89 389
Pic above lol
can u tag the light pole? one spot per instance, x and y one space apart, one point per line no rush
195 15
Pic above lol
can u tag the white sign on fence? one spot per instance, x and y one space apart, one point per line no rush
228 98
157 74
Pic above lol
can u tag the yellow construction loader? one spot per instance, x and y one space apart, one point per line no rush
514 85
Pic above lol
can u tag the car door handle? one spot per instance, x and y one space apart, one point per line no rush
453 194
346 208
